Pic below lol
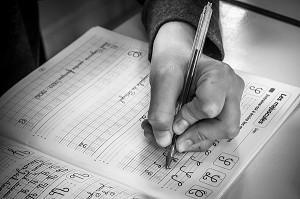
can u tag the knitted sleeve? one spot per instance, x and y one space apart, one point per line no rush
158 12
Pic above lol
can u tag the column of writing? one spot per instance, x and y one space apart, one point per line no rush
53 85
35 175
91 131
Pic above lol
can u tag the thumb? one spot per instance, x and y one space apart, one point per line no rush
166 82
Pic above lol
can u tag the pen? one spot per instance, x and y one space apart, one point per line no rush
189 76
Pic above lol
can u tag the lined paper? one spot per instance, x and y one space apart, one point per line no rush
92 97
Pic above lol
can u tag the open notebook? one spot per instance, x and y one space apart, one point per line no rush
71 129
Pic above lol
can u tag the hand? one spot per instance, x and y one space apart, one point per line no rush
213 113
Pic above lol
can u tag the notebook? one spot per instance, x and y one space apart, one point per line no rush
72 129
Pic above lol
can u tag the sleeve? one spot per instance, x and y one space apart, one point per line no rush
158 12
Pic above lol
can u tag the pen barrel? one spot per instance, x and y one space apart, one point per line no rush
184 97
191 70
197 49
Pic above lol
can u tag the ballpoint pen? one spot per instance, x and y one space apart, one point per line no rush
189 76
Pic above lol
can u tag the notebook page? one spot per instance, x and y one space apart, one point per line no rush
100 117
27 173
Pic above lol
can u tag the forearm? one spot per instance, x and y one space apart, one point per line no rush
157 13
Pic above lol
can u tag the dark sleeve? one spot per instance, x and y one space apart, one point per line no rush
158 12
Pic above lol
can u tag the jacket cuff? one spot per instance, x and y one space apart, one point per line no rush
158 12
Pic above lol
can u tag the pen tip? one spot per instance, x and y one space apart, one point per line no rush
168 162
170 156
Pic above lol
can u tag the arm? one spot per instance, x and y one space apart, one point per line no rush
157 13
213 112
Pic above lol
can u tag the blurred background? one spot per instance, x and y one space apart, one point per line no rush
63 21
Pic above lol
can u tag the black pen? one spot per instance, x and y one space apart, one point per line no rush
189 76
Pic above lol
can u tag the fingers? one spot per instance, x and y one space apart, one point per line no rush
200 136
212 89
148 132
171 51
214 112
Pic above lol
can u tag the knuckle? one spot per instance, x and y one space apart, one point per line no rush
215 71
210 110
222 70
204 147
227 69
158 121
232 131
200 135
189 113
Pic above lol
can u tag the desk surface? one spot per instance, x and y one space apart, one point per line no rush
289 8
270 48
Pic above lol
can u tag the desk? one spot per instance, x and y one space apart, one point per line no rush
289 8
266 47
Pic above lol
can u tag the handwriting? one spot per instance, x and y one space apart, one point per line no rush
134 53
194 159
132 91
58 168
22 121
148 172
83 145
207 152
25 191
59 80
79 175
31 196
42 185
157 164
186 173
18 153
59 191
143 118
216 142
179 183
101 191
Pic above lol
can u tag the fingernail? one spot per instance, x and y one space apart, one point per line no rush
180 126
163 138
148 135
185 145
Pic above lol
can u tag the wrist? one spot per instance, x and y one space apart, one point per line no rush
174 37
